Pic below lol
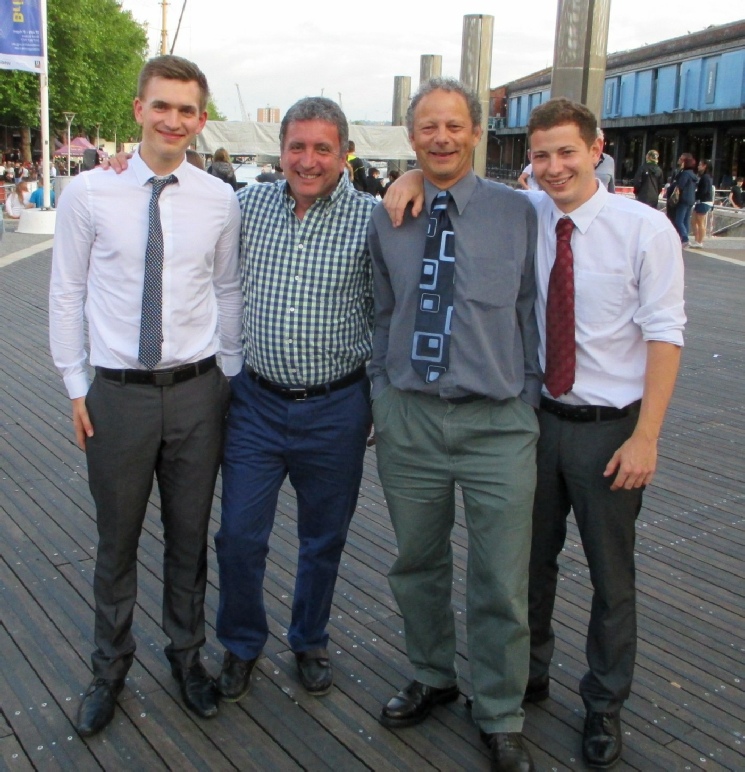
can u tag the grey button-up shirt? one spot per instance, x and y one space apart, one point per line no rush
494 344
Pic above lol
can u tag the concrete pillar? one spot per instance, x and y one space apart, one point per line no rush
401 99
430 67
580 51
475 72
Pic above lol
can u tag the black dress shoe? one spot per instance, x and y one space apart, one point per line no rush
97 706
198 689
507 752
315 673
412 705
601 739
538 689
235 677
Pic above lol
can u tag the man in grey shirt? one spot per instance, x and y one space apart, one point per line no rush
465 418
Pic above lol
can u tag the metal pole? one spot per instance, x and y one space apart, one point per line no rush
44 104
68 118
475 73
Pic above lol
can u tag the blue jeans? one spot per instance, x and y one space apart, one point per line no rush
682 221
320 443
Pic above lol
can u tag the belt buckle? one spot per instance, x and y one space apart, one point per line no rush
299 395
164 378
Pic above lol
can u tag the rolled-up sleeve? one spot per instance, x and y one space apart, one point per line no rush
661 313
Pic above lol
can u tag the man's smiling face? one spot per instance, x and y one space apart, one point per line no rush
564 165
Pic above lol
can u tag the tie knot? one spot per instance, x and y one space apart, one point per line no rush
564 229
159 183
441 200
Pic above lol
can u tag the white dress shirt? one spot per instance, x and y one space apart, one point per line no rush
98 266
628 283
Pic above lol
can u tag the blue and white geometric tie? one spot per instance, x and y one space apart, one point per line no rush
151 322
431 345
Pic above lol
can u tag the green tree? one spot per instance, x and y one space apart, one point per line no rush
96 50
213 112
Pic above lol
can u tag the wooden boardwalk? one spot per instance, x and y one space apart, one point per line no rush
687 709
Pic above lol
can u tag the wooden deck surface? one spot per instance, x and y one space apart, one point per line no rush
687 709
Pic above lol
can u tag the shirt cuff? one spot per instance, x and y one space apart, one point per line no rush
378 385
231 365
76 385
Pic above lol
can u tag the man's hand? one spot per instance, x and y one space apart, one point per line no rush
635 461
116 162
406 190
81 422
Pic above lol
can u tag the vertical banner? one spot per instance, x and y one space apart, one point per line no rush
20 36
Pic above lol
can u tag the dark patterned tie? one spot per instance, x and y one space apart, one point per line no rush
431 344
561 350
151 322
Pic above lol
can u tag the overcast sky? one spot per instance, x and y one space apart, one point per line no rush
278 52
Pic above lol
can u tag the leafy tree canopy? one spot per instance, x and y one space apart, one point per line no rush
96 51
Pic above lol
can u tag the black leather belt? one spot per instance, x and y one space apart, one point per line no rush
587 413
300 393
159 377
463 400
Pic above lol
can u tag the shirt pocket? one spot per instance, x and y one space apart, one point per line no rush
492 281
599 297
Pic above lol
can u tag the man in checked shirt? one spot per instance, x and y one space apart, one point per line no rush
301 404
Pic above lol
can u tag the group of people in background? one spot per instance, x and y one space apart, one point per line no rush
689 199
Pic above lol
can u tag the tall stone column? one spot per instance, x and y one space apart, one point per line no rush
430 67
475 72
401 99
580 51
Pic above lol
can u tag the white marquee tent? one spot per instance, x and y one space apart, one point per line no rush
374 143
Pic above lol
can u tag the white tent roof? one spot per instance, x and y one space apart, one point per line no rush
375 143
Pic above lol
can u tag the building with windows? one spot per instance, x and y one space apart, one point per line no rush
686 94
267 115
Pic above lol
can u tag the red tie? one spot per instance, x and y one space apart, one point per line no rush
561 351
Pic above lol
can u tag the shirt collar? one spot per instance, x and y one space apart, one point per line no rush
583 216
461 192
342 189
144 173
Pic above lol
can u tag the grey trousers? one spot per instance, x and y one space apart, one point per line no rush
425 447
174 433
571 460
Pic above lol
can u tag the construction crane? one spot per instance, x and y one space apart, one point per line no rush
244 115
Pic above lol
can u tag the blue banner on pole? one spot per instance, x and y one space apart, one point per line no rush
20 35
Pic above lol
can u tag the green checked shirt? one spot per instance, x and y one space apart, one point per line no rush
307 284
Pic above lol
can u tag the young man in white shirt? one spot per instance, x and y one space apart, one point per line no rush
598 443
158 401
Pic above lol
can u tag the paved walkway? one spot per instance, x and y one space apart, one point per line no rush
687 708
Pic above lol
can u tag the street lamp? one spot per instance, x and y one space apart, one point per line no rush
68 118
